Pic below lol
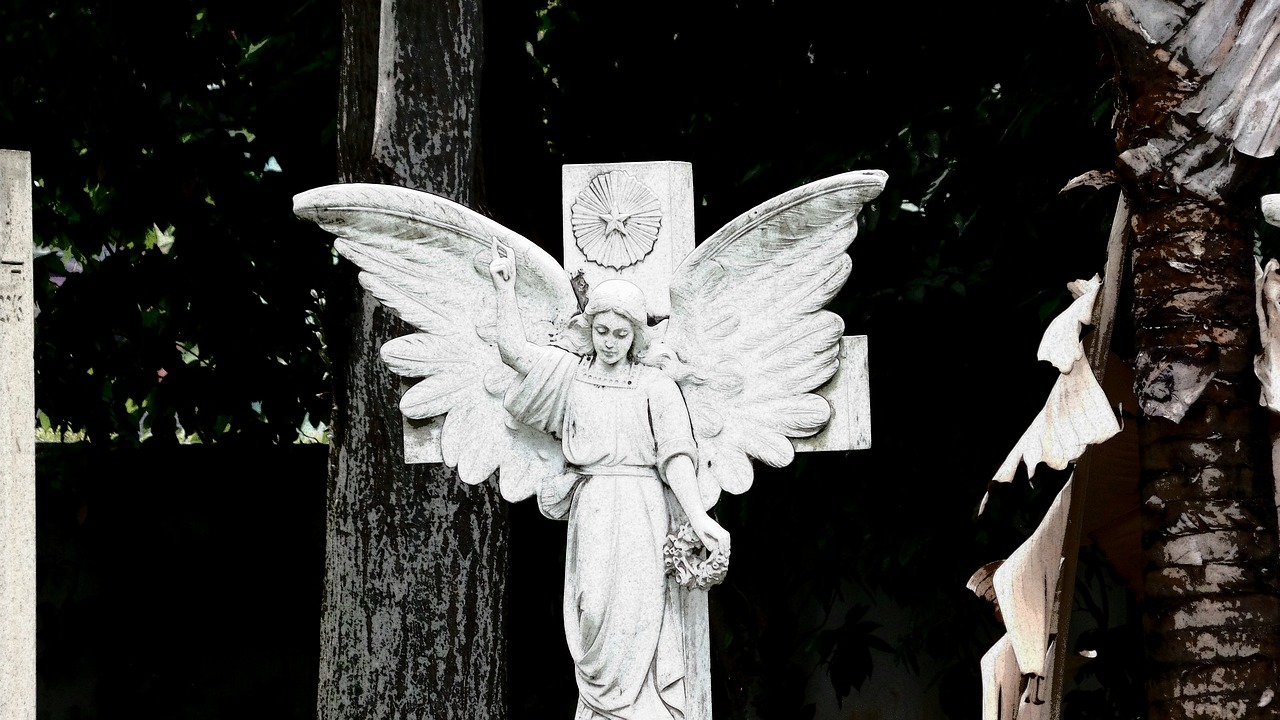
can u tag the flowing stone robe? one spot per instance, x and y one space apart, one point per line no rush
621 613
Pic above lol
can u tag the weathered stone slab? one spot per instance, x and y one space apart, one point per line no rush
422 437
17 444
849 393
632 221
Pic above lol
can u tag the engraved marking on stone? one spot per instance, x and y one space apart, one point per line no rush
12 298
616 220
11 309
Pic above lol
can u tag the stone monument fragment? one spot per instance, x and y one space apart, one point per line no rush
17 444
627 396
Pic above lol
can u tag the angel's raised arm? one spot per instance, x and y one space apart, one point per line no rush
512 344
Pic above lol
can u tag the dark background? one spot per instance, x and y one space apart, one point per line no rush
183 581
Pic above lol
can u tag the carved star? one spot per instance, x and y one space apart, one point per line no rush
615 221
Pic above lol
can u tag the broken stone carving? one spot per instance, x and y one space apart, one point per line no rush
626 429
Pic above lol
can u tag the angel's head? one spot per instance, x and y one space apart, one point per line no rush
615 321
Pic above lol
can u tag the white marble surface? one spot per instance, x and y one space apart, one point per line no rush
670 184
849 394
422 437
1271 209
17 444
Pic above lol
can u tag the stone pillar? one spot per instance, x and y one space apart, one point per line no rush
17 444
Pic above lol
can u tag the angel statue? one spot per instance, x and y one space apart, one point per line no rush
626 428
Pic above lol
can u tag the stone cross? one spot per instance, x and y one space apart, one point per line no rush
655 361
650 205
17 444
659 195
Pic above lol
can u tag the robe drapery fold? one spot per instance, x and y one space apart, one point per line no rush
621 613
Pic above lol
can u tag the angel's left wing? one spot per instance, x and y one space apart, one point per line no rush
748 326
427 258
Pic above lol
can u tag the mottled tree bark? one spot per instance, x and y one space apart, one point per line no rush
1209 517
415 561
1212 613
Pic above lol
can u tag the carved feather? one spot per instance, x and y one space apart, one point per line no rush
426 259
748 327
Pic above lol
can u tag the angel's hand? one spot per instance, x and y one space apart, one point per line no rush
503 267
712 535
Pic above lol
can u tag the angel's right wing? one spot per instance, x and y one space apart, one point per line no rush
427 260
748 325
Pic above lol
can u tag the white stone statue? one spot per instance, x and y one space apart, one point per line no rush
628 430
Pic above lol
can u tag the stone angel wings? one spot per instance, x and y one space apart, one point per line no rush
747 340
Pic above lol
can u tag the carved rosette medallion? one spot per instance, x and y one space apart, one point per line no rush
615 220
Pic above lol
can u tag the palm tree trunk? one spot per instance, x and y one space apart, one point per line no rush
1211 606
1194 117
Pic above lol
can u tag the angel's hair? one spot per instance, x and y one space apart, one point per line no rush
618 296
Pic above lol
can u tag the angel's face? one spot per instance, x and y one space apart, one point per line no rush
611 335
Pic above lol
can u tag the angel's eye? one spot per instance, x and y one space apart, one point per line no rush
602 330
621 333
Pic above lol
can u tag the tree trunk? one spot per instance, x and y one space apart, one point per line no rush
1209 516
1212 612
416 561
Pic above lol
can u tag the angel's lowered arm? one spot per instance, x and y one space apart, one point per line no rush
682 479
512 344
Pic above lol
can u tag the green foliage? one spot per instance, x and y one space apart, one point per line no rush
176 292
